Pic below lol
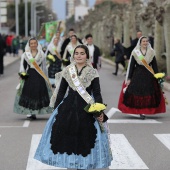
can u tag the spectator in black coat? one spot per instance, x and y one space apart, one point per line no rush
2 53
118 52
133 44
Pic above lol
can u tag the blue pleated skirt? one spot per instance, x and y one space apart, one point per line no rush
99 157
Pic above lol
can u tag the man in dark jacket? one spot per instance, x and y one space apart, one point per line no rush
2 53
94 51
67 40
133 44
119 55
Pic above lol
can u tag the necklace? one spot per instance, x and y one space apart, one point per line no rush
143 51
80 71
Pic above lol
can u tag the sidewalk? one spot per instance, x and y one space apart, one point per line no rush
166 85
9 60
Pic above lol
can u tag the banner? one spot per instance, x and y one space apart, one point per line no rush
50 30
41 33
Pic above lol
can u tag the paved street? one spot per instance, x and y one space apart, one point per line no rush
136 144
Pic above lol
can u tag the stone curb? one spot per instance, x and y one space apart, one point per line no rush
166 86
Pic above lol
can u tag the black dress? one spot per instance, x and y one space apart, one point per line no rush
144 90
34 94
144 94
54 67
72 134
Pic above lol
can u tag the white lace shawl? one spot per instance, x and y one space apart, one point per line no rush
148 57
39 58
86 77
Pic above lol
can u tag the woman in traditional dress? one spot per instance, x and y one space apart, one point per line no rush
141 93
72 137
69 49
54 66
34 92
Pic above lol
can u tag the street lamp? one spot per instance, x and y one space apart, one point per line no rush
17 17
0 15
34 4
38 23
35 20
26 18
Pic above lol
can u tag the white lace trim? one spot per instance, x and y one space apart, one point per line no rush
87 75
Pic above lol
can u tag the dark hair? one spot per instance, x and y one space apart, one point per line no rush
33 38
118 40
88 35
74 35
71 29
85 49
143 38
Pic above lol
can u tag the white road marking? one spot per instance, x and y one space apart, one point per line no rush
164 138
32 163
134 115
11 126
124 155
132 121
26 123
112 111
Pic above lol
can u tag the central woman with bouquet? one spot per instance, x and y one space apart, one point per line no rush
73 137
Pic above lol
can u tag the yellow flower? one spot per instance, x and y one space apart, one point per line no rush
159 75
23 73
65 59
51 57
97 107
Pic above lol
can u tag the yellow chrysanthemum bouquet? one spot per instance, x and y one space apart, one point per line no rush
96 109
23 75
50 59
65 62
160 77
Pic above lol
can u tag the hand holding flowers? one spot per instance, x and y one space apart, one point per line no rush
50 59
100 118
160 77
23 75
65 62
97 110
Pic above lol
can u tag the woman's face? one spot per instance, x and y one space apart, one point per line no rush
33 44
55 41
73 39
144 42
80 56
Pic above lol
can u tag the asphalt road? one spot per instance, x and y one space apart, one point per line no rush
136 144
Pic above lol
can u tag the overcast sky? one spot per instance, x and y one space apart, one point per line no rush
59 7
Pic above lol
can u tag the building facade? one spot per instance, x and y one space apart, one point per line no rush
72 4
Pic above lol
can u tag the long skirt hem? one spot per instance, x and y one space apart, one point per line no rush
99 157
